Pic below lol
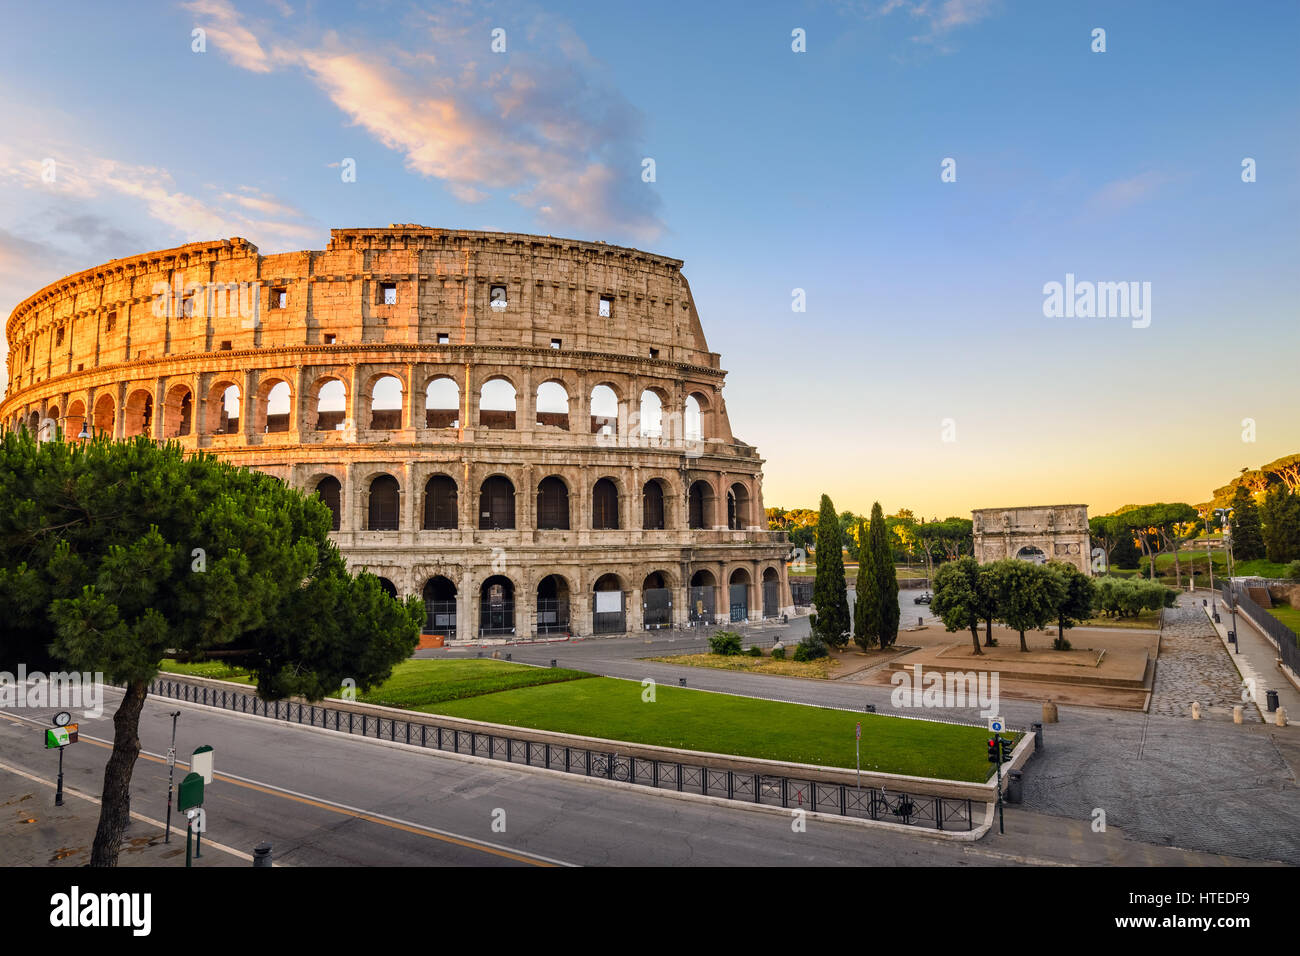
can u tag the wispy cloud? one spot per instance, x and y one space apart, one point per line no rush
1122 193
938 19
540 124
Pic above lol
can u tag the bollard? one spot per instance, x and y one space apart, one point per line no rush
1270 699
1204 602
552 661
1281 717
1038 736
919 620
262 854
1196 710
1238 715
510 657
1049 712
869 709
682 681
1015 786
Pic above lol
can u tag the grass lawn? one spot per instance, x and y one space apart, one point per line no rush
697 720
419 684
758 665
1288 615
1144 620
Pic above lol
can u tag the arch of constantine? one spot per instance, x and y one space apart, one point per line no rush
1039 534
528 432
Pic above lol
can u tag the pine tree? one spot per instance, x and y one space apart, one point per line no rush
1281 516
866 604
886 583
1247 538
830 593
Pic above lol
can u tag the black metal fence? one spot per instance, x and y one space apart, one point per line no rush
1282 636
876 803
801 592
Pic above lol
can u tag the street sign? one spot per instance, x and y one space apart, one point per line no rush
996 725
201 763
59 737
859 732
190 793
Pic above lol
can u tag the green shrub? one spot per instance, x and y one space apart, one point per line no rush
810 649
1293 570
726 643
755 652
778 653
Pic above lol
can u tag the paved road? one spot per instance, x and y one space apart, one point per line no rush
327 799
1167 780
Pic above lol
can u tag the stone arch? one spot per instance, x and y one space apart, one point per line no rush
139 413
771 592
273 410
553 600
650 420
496 504
497 606
441 503
552 404
739 507
76 419
441 402
326 404
384 504
1032 554
605 505
605 409
389 587
609 604
223 407
498 403
330 491
654 505
439 595
552 504
695 425
105 415
384 400
738 596
700 504
178 412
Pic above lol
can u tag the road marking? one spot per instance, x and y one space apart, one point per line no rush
395 823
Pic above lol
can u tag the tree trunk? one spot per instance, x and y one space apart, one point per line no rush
975 638
988 632
115 810
1023 645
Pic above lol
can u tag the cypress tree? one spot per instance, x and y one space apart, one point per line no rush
830 593
866 606
1247 539
886 583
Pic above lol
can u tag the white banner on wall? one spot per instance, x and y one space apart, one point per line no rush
609 602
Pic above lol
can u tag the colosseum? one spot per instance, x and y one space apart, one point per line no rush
528 432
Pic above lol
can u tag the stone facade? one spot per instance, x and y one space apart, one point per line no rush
527 431
1046 533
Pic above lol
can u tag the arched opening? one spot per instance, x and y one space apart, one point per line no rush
496 404
552 406
701 505
386 403
139 413
552 504
34 422
652 505
76 420
441 504
330 492
276 406
496 509
693 425
223 408
656 601
703 595
442 404
771 593
496 606
104 415
389 588
604 505
738 595
552 605
1031 554
385 504
178 412
439 606
652 415
331 405
738 507
609 606
604 411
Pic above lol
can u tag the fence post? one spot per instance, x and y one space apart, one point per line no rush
758 782
813 786
938 812
679 778
844 805
566 759
731 785
785 792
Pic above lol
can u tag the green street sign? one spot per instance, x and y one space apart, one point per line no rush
57 737
191 792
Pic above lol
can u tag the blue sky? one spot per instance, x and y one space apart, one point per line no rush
775 170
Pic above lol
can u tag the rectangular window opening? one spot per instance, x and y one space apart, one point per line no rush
606 306
225 345
555 343
497 298
279 298
329 338
444 338
388 293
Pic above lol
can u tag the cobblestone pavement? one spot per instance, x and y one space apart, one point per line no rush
1194 665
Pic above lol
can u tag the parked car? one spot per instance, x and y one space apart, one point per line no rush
925 598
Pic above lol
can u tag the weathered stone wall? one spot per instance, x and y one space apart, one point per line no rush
151 345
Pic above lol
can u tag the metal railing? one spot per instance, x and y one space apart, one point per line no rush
875 803
1283 638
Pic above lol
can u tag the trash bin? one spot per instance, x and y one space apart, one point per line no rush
1015 786
262 854
1038 736
1270 700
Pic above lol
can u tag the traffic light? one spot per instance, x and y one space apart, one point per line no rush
1007 747
993 750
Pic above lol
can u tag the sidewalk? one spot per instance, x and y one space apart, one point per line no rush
34 832
1255 657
